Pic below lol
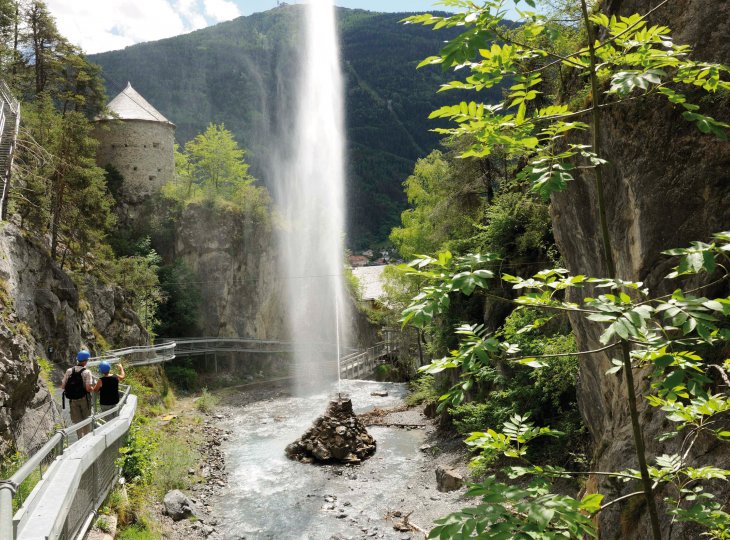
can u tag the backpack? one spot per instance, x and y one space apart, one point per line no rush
75 387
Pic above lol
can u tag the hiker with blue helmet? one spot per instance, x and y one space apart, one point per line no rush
108 386
77 384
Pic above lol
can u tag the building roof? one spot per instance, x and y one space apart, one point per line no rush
130 105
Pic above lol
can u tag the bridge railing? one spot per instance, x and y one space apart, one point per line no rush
72 479
138 356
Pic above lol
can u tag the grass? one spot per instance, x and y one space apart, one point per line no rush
138 532
206 402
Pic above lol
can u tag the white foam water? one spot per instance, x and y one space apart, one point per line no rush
311 195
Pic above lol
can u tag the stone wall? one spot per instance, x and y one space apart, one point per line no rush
142 151
666 185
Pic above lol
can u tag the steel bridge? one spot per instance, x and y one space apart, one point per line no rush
73 479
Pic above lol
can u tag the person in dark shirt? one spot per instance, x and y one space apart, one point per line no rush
108 386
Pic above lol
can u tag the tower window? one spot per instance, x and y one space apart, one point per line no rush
153 177
156 145
135 168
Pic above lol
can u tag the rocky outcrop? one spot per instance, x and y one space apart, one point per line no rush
234 258
338 436
666 185
45 316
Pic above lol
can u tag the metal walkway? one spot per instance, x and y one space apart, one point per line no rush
74 479
9 125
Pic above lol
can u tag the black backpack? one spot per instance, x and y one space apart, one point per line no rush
75 387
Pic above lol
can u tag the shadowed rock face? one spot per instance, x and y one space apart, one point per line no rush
666 185
336 437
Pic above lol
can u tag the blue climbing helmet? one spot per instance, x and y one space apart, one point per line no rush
82 356
105 368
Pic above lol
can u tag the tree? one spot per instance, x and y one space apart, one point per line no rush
216 162
633 59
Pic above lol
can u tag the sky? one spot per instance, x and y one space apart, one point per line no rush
105 25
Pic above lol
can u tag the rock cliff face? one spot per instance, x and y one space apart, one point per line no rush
667 184
235 261
45 316
241 281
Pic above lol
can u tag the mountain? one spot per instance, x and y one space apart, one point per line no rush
243 72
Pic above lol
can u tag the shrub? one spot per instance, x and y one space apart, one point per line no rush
423 390
185 378
206 402
137 457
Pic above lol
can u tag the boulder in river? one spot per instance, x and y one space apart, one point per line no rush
336 437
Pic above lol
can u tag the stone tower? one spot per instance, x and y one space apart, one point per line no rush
138 141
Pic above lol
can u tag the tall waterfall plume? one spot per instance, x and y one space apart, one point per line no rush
310 181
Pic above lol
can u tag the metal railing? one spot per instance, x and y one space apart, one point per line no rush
73 479
140 355
360 364
14 106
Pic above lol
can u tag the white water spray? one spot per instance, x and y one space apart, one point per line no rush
311 194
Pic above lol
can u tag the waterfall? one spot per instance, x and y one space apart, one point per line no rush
310 180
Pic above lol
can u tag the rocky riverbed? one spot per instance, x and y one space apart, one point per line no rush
245 487
393 495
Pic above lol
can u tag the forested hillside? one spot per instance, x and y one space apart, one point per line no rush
242 73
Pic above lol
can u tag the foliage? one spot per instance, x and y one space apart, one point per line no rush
137 456
635 59
422 390
183 377
632 59
667 334
172 465
138 532
179 311
212 170
137 273
206 402
513 512
213 163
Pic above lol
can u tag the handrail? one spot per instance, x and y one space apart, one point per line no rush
9 487
7 95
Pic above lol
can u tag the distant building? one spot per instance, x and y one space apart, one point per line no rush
371 283
358 260
139 142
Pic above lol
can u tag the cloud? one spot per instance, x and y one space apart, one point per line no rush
221 10
106 25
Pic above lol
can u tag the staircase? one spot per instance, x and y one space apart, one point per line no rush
9 124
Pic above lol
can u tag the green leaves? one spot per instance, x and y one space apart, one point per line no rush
625 82
508 512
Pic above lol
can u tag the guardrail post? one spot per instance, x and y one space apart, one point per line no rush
60 448
7 491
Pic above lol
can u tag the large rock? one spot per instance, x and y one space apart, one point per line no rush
338 436
666 184
448 479
178 506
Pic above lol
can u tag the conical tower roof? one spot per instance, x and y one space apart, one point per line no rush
130 105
